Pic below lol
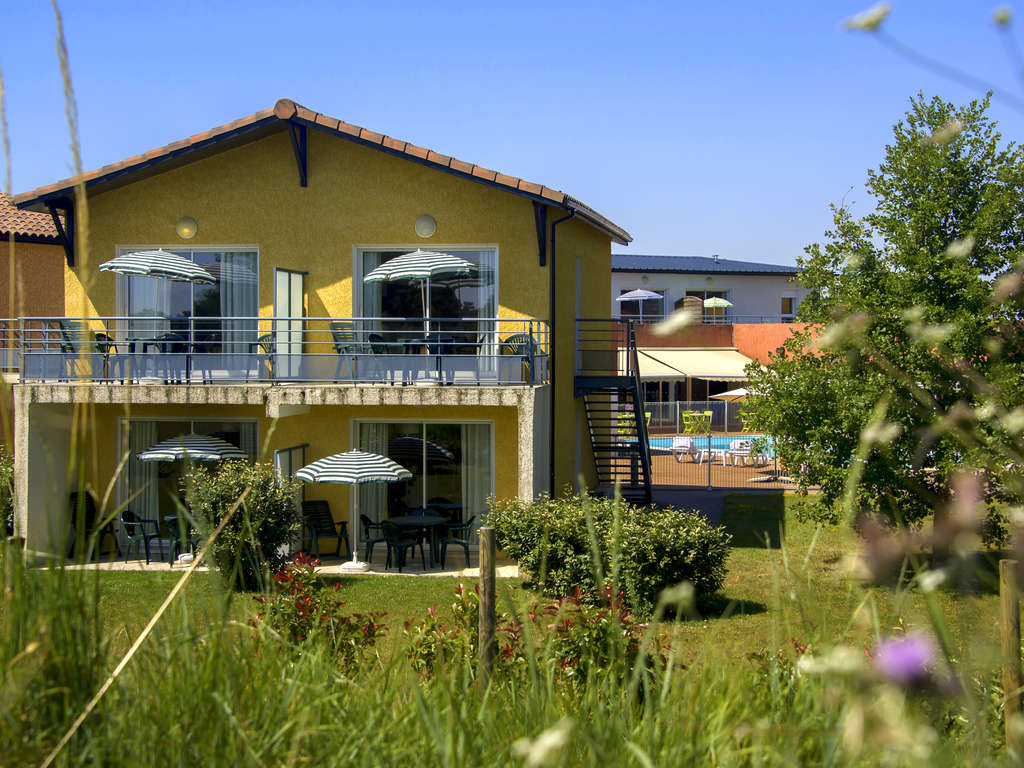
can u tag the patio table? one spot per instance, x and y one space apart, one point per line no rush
430 523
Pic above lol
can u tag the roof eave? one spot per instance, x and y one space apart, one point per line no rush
759 273
101 181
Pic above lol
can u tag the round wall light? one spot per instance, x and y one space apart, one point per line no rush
186 227
425 226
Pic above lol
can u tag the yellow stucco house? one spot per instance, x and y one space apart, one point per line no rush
284 348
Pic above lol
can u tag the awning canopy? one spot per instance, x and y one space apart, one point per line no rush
676 364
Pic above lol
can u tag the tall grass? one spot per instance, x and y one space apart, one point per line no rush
230 694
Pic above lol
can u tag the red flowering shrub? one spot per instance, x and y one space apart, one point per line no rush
434 643
304 609
581 635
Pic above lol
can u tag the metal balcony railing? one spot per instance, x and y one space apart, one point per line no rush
719 318
606 346
198 350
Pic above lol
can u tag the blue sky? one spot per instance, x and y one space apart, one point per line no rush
701 128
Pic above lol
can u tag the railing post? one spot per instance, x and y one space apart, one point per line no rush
486 636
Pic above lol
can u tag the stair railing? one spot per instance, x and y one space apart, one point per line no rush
639 409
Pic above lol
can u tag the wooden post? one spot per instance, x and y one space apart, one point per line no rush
486 637
1009 604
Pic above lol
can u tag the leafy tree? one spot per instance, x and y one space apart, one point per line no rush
915 345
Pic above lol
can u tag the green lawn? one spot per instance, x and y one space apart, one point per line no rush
772 596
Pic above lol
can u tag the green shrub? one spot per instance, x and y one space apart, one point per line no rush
555 542
7 489
253 543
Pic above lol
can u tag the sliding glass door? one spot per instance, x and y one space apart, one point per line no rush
450 463
464 304
217 315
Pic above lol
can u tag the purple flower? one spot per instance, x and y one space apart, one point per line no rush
905 660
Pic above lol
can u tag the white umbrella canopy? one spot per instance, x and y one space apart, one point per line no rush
354 468
194 447
732 395
639 295
158 263
421 265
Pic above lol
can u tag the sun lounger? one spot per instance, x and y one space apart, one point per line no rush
744 449
683 446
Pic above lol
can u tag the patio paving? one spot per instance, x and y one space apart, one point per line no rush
506 569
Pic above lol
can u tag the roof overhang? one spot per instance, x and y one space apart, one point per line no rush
285 114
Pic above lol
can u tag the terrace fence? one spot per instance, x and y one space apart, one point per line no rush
200 350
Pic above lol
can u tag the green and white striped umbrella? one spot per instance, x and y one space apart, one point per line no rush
421 265
158 263
194 447
354 468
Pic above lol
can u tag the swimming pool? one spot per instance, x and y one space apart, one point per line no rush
719 442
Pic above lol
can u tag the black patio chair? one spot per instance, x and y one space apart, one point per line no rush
459 535
318 521
400 541
138 530
373 534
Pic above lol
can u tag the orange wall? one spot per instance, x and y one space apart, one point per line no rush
758 340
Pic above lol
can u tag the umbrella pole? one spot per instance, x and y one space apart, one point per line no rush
355 565
426 306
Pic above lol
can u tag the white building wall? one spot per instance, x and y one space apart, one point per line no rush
753 296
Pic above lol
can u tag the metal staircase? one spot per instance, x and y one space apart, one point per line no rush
613 400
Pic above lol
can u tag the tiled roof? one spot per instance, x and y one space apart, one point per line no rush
694 265
287 110
26 225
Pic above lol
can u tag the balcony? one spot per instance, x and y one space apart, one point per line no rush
411 351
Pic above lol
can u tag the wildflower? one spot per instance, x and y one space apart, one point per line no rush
869 20
539 751
905 660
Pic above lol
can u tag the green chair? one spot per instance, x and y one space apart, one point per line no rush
78 342
748 422
523 346
400 541
373 534
459 535
318 521
264 348
138 530
344 335
182 536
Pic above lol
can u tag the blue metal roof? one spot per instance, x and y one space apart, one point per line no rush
701 265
